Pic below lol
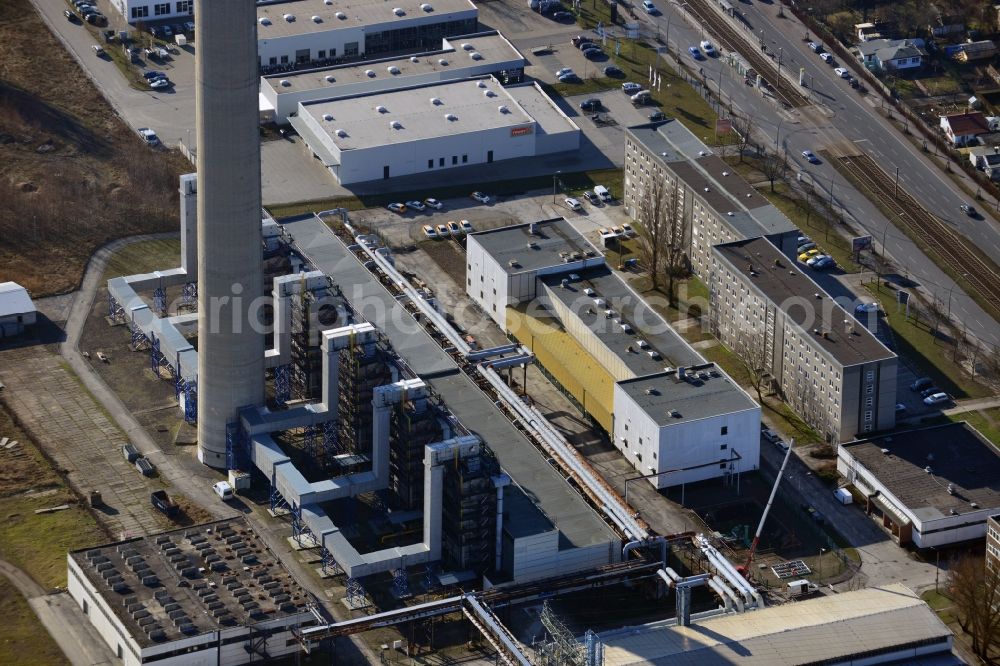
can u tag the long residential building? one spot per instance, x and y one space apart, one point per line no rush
832 371
716 204
675 417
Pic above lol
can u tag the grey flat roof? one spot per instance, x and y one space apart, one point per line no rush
701 170
705 391
959 455
629 308
492 46
786 284
462 107
554 502
549 118
357 13
229 592
830 629
551 237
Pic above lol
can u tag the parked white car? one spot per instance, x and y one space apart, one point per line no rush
842 73
574 204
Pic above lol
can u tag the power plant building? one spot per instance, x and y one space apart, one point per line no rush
663 406
301 32
433 128
455 58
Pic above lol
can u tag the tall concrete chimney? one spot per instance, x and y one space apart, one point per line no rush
230 345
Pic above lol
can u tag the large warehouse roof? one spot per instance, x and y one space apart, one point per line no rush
830 629
355 13
455 54
415 114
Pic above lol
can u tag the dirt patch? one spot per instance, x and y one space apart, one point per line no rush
73 175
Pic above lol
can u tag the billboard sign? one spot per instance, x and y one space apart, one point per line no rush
859 243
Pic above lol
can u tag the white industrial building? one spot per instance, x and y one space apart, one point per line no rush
433 128
462 57
930 486
664 407
308 31
879 625
17 312
143 11
207 594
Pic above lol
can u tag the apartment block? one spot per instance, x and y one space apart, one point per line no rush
716 204
829 368
993 542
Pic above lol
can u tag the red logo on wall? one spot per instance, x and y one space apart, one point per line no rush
520 131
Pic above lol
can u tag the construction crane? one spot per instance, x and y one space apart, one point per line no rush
745 569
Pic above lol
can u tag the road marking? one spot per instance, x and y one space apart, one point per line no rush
861 140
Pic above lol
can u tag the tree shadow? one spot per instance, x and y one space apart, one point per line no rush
43 116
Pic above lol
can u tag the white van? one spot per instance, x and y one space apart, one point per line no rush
641 97
223 490
603 193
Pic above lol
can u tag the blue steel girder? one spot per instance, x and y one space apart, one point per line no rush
160 301
282 384
400 583
154 354
115 311
277 499
139 339
189 293
331 443
329 565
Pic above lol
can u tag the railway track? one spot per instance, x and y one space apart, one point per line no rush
728 36
981 273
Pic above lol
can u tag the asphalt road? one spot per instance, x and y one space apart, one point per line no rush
840 116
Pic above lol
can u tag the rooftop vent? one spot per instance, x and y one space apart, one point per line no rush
706 189
329 78
443 62
289 17
476 55
467 46
674 413
328 3
341 15
885 451
974 505
436 101
951 486
263 20
317 19
818 296
503 109
393 69
725 173
702 153
398 11
285 83
481 83
450 116
729 213
395 124
927 469
532 228
381 109
426 7
642 344
513 263
370 73
489 93
414 59
341 133
327 117
589 291
532 245
563 283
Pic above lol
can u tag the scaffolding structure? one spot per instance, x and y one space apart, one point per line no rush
414 425
363 367
312 312
468 530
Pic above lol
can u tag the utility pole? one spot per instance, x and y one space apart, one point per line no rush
895 187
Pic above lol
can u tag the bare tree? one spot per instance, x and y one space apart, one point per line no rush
750 348
975 590
662 231
743 127
773 167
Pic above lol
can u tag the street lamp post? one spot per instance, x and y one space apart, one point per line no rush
821 551
555 179
778 133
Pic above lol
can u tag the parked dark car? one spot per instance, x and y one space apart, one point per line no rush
592 104
921 383
613 72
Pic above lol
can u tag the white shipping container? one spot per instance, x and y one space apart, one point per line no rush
843 495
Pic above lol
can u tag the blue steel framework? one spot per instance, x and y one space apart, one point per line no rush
282 384
400 583
191 401
116 313
160 301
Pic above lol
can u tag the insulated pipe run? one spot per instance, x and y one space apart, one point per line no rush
726 600
666 579
729 573
488 619
730 596
632 545
618 523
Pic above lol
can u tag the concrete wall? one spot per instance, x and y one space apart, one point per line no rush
14 324
870 387
101 615
483 275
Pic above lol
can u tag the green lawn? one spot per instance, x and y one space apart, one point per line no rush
918 345
24 642
692 302
144 257
941 604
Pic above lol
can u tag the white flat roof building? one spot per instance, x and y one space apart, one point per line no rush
136 11
461 57
430 128
306 31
